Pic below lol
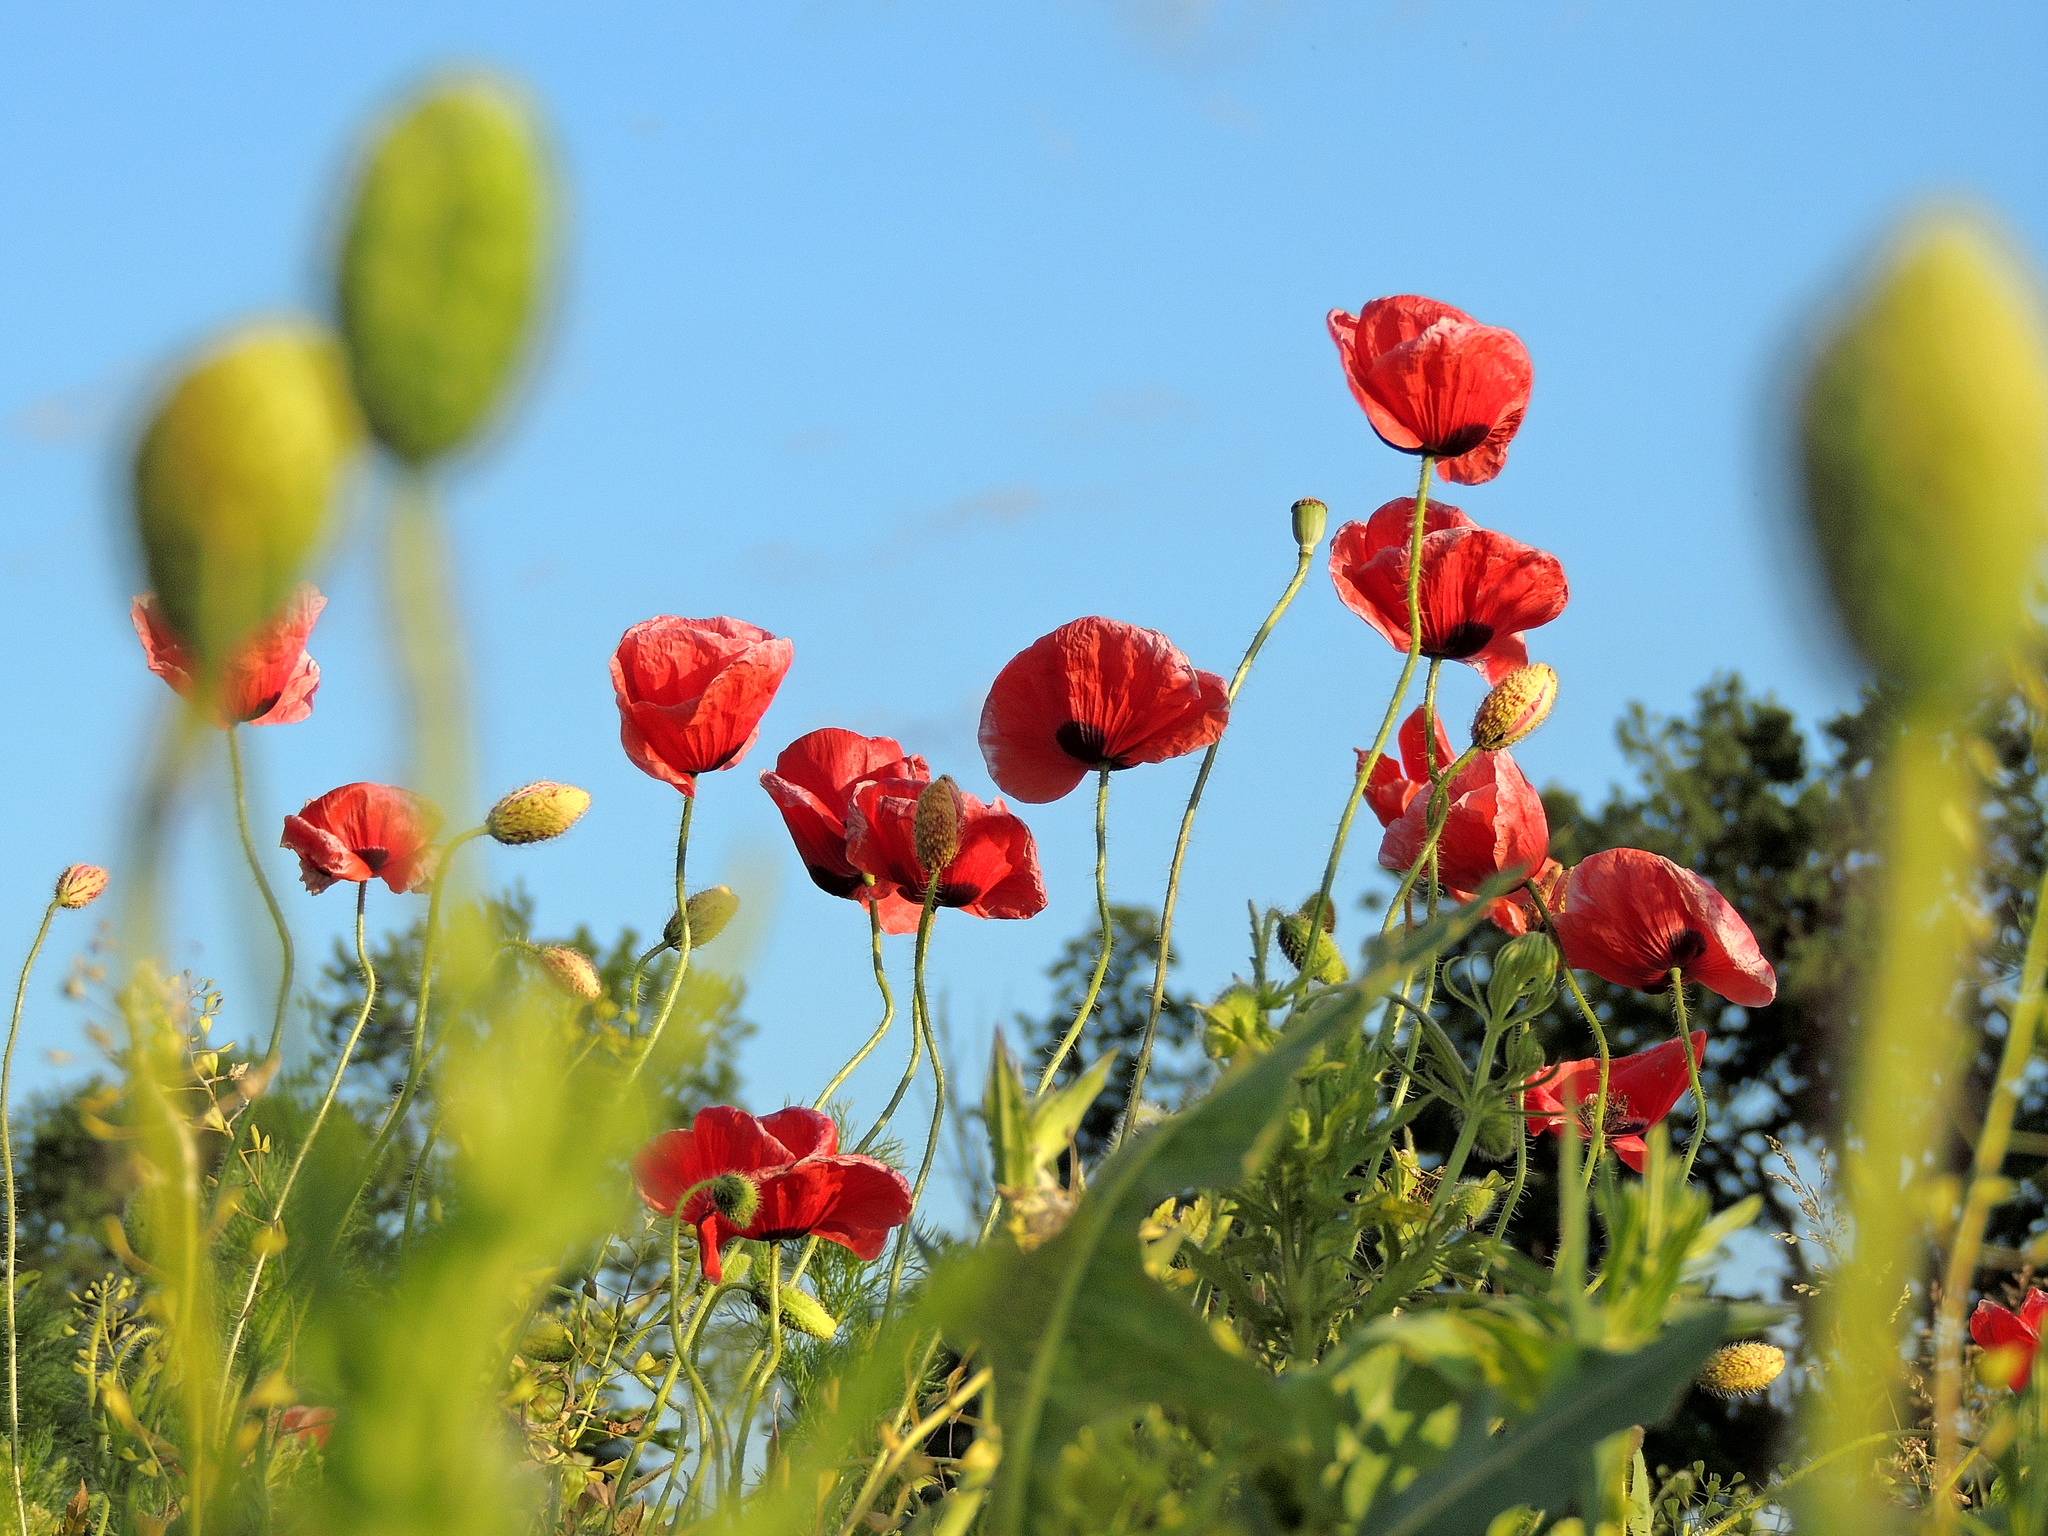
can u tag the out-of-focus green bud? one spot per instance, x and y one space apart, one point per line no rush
800 1310
1926 455
1473 1198
1524 1057
1311 517
1525 966
234 476
444 262
710 910
547 1340
1233 1026
1323 960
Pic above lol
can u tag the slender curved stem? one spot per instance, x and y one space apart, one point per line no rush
675 984
639 972
1306 553
288 955
1592 1019
769 1366
1439 814
1507 1213
888 1010
1692 1070
921 1022
659 1406
7 1143
412 1186
1094 991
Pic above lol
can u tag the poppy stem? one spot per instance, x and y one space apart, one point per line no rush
1306 554
1094 991
7 1144
921 1026
659 1406
1592 1019
1507 1213
769 1366
639 973
888 1010
675 983
1692 1070
284 932
412 1187
1439 814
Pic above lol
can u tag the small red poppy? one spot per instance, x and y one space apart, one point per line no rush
1632 918
1641 1090
1431 379
813 785
995 873
1480 589
1395 782
362 832
1493 824
1092 693
691 693
801 1183
1993 1327
303 1422
270 680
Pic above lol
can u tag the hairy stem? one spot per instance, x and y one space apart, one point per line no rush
1692 1071
675 984
1592 1019
921 1023
7 1144
888 1010
1087 1007
288 957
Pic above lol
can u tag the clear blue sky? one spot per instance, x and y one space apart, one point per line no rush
911 330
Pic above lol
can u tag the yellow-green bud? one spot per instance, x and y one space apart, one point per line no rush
935 831
1234 1026
1498 1134
1328 962
80 885
1737 1370
536 812
1519 703
1311 517
736 1197
571 970
1525 966
1926 455
800 1310
444 262
234 477
710 910
548 1340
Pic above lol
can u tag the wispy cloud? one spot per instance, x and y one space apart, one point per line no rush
1000 507
1197 31
1133 412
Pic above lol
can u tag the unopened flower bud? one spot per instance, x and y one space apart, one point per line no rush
800 1310
571 970
80 885
710 910
1311 517
1498 1134
536 813
1519 703
548 1340
736 1198
1326 964
1525 966
1737 1370
935 833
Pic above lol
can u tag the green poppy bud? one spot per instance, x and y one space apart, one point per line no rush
444 262
1311 517
800 1310
1497 1134
1525 966
710 910
1327 964
548 1340
1926 455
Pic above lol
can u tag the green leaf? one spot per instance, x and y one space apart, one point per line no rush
1054 1121
1008 1119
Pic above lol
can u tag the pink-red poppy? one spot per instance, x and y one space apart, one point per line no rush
1517 911
309 1424
783 1172
363 832
691 693
269 680
1396 781
1494 824
812 785
1632 918
2019 1337
1431 379
1095 693
1480 589
1641 1090
994 873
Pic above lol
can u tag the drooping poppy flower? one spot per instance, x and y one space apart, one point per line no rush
1431 379
363 832
270 680
692 692
1632 918
777 1177
1494 824
1480 589
1091 694
994 872
1395 782
813 785
1641 1090
1993 1327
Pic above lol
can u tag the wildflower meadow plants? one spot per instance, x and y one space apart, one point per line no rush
527 1285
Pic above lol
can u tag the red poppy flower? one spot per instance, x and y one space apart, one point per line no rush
790 1170
361 832
1517 912
1433 380
1480 589
692 692
1641 1090
812 786
1494 824
270 680
1995 1328
995 873
1395 782
312 1425
1093 693
1632 918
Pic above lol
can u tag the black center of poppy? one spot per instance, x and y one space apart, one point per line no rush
1085 742
958 894
1622 1119
1468 639
1685 949
258 708
376 858
832 882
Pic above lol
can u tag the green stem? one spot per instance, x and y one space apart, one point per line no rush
1500 1229
7 1142
1439 815
769 1366
1469 1131
1087 1007
284 932
1571 981
921 1022
668 1381
888 1010
675 985
412 1186
1692 1070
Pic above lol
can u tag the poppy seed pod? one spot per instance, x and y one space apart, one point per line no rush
735 1197
1519 703
1737 1370
571 970
935 832
80 886
233 479
710 910
443 263
536 812
1926 456
1311 517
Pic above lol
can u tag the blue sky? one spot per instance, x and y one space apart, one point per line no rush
912 330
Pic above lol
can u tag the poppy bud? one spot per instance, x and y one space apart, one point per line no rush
1926 455
1328 962
80 885
935 832
571 970
1519 703
548 1340
1498 1134
233 479
800 1310
1523 967
1737 1370
710 910
1234 1027
536 812
1473 1198
1311 517
736 1197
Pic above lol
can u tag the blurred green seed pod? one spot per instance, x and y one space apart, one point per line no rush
800 1310
1473 1198
1926 455
548 1340
1525 966
234 477
444 263
1498 1134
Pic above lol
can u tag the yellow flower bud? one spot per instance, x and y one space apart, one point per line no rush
935 832
800 1310
710 910
1519 703
80 885
1737 1370
571 970
536 813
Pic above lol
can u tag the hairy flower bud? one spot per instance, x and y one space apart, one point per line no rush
800 1310
935 833
80 885
736 1197
536 812
1498 1134
1519 703
1327 964
1737 1370
548 1340
571 970
710 910
1525 966
1311 517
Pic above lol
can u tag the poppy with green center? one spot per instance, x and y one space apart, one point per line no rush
1093 694
1480 589
1433 380
1633 918
691 693
363 832
992 871
1641 1090
774 1178
2017 1337
269 680
813 785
